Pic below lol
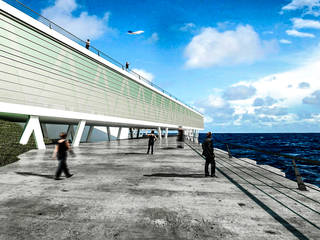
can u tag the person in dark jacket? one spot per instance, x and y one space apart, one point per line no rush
152 139
60 152
208 152
87 44
180 138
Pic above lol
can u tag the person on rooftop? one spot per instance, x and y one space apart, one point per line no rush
87 43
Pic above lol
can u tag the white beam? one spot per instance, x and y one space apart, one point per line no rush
70 132
119 133
166 134
79 132
44 130
33 125
89 133
159 132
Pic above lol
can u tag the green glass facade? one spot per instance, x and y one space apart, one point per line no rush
38 70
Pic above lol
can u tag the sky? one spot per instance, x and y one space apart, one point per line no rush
247 65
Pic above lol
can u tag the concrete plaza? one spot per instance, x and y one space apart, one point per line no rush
119 192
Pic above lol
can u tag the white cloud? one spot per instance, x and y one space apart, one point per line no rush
216 101
144 74
154 38
276 86
273 103
305 23
187 27
208 119
83 26
212 47
308 6
239 92
285 41
296 33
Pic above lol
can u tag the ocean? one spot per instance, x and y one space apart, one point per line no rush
304 145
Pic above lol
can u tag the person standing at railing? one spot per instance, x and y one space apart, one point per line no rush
127 66
208 152
88 44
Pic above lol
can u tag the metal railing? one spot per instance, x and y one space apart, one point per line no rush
25 9
301 185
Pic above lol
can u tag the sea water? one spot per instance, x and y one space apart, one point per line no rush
304 145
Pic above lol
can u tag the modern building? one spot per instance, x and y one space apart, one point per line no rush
47 75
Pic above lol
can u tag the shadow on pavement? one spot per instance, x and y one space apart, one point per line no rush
35 174
175 175
136 153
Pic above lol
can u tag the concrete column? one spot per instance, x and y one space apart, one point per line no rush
89 133
79 132
119 133
159 132
197 136
33 125
70 132
131 133
44 130
108 133
166 134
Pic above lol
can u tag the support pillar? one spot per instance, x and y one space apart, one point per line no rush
108 133
166 133
33 125
44 130
70 132
89 133
79 132
119 133
131 133
159 132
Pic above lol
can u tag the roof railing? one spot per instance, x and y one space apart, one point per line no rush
17 4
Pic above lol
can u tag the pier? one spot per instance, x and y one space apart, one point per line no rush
120 192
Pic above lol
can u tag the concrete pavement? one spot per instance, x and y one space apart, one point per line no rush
119 192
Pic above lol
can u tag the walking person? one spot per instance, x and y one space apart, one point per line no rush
60 152
87 43
152 139
208 152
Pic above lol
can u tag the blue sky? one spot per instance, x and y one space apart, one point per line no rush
248 66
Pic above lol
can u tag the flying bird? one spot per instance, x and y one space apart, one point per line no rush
135 33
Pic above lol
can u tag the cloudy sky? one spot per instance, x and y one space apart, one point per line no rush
247 65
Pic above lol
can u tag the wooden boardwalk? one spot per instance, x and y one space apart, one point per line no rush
119 192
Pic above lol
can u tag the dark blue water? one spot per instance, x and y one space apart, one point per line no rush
304 145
